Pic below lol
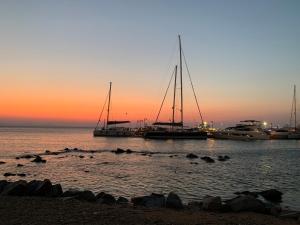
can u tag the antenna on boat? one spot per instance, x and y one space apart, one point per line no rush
108 106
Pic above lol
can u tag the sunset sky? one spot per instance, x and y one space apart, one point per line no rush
57 59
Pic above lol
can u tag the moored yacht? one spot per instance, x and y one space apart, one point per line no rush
246 130
291 131
110 128
173 129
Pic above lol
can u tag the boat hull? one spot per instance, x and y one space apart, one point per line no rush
112 133
164 135
240 136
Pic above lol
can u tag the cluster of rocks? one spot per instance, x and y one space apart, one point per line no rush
159 201
121 151
32 188
8 174
44 188
259 202
207 158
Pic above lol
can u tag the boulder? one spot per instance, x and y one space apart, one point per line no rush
81 156
26 156
212 203
105 198
39 159
21 174
70 193
40 188
1 162
226 157
272 195
122 200
191 156
85 196
56 190
3 183
152 201
208 159
119 151
173 201
128 151
19 165
8 174
31 186
17 188
246 203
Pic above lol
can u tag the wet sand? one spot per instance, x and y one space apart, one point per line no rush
50 211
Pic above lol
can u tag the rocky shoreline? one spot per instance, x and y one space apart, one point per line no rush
260 203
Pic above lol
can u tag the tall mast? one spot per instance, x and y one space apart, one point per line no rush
180 66
295 107
174 97
108 106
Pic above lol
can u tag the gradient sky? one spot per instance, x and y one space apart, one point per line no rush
57 58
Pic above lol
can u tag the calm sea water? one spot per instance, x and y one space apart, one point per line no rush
255 165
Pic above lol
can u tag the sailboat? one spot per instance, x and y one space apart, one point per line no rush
176 130
110 128
291 132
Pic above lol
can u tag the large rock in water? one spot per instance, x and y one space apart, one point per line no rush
246 203
44 188
39 159
271 195
105 198
191 156
86 196
80 195
173 201
17 188
56 190
70 193
153 201
3 183
122 200
40 188
212 203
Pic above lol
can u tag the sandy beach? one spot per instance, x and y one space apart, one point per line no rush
49 211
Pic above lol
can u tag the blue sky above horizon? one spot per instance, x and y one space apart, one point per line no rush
243 56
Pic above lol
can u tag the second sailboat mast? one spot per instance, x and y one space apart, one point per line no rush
180 67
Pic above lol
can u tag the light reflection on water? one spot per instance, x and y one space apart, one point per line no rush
254 165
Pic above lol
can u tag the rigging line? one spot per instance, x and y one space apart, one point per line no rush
188 71
102 111
161 105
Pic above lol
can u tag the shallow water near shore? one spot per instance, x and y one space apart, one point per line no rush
254 165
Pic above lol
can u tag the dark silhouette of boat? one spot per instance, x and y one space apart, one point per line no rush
176 130
110 128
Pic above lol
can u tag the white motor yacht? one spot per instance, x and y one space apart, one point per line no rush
246 130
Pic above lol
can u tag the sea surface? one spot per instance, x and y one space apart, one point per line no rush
253 165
